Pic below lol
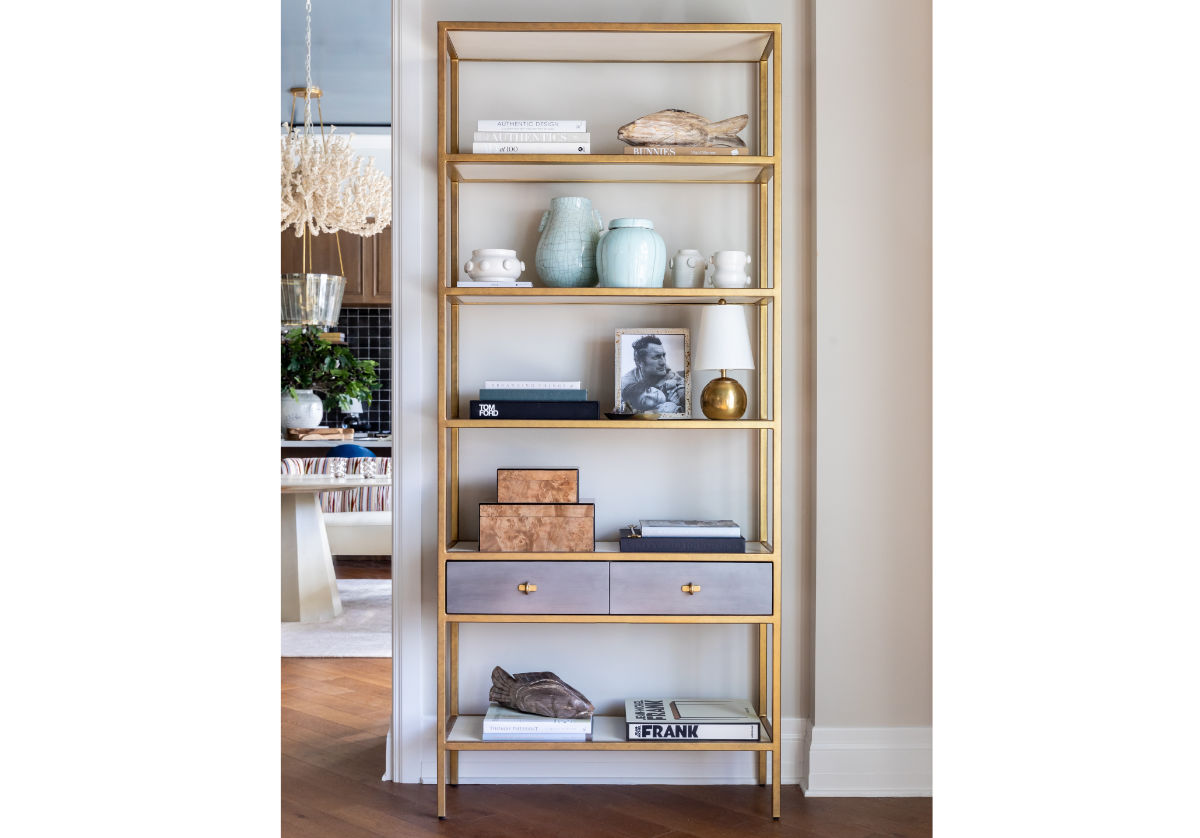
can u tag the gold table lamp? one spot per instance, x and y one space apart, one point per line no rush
724 344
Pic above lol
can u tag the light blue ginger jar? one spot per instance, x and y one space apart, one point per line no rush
566 252
631 255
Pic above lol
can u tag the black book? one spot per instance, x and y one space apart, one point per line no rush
680 544
498 409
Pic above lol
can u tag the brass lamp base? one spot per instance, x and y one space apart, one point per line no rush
723 398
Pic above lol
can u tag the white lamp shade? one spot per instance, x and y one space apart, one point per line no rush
724 342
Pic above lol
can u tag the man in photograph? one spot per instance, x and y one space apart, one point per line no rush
652 386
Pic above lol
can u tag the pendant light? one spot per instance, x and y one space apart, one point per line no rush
326 189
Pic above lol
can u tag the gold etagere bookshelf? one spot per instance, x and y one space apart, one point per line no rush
757 45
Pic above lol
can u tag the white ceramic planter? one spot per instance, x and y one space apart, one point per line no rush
493 263
304 411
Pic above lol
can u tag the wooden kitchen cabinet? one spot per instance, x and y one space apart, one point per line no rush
367 261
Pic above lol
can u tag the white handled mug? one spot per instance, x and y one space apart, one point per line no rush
687 268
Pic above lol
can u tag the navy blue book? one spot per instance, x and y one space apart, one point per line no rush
680 544
500 409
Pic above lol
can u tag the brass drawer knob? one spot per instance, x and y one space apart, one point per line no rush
527 587
689 588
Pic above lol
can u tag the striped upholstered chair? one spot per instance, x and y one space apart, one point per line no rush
358 521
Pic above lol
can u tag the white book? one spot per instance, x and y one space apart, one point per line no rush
493 283
690 718
695 529
531 148
536 737
532 137
506 720
531 125
533 385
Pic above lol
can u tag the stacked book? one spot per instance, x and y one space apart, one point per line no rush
533 400
691 718
660 536
503 724
532 136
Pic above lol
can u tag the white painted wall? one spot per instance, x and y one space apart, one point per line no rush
871 598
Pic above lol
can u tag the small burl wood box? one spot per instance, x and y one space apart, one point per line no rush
537 527
537 485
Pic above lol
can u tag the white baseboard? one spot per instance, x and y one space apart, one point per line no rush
629 767
871 762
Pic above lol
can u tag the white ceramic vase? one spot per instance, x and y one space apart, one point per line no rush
687 269
493 263
304 411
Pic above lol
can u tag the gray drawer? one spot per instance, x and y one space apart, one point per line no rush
491 587
656 587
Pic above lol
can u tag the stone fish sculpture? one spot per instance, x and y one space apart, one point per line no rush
543 693
676 127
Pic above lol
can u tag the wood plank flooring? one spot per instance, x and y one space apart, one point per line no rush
335 719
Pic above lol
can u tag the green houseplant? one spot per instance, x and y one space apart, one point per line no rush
330 370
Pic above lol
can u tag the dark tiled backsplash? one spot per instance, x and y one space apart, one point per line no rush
368 334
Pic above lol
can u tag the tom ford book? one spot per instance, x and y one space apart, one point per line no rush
690 718
513 409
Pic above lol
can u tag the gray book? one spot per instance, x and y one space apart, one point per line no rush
694 529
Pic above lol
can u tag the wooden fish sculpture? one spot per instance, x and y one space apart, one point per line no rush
676 127
543 693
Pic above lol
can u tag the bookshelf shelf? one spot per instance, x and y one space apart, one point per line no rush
606 168
610 296
759 464
609 424
465 733
610 551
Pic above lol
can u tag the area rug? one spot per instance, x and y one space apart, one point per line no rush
364 629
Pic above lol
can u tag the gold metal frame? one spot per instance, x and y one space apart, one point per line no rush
762 171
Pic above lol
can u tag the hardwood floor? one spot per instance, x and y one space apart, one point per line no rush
335 719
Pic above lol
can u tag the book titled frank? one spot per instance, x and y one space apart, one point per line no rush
690 718
692 529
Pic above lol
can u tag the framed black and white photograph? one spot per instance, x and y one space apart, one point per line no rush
654 372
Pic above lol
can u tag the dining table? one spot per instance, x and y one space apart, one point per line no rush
309 591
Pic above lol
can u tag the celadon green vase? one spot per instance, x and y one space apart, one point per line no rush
566 252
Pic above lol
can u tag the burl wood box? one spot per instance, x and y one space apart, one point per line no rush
537 527
537 485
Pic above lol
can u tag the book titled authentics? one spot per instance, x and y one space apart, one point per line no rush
532 137
691 718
